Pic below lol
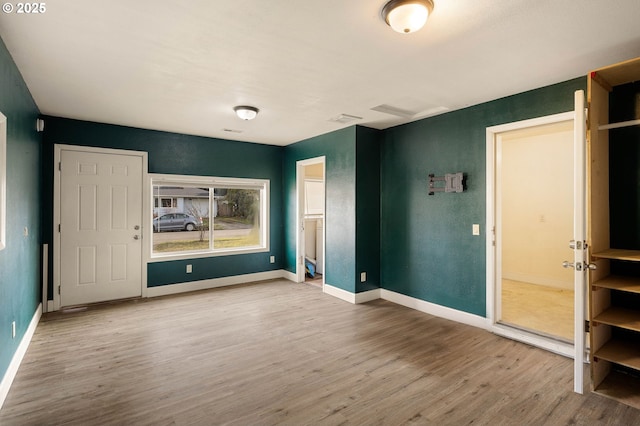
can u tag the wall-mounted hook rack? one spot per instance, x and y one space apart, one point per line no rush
453 182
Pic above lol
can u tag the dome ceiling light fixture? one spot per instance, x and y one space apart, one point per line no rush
246 112
407 16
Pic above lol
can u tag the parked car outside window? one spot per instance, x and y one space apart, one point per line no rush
176 222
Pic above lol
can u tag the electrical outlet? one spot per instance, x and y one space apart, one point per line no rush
189 269
363 277
13 329
25 231
272 259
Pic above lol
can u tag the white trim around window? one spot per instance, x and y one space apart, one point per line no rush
201 191
3 181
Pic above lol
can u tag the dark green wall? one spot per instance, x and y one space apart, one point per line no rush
20 260
339 148
367 207
427 249
173 153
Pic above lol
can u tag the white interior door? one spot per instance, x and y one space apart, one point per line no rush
579 238
100 226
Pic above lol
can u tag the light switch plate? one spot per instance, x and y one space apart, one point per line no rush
476 229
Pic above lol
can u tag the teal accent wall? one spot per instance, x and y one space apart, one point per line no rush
339 148
352 204
367 208
20 273
427 249
172 153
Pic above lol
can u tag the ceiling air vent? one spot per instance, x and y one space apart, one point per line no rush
399 112
345 118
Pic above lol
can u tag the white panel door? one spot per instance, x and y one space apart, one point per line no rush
579 238
100 227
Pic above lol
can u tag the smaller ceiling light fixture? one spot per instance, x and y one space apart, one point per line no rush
407 16
246 112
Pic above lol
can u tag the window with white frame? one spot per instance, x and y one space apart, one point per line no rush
201 216
165 202
3 181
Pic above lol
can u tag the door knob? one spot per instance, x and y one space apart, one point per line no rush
136 227
581 267
136 237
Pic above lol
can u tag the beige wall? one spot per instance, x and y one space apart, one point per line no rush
314 171
536 204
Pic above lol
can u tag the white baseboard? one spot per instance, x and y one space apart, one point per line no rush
7 380
409 302
214 283
434 309
345 295
368 296
291 276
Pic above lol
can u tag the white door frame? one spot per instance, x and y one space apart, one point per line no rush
300 175
493 302
58 148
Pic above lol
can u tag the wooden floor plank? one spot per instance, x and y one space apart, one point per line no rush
283 353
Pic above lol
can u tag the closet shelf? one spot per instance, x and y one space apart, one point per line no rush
621 352
619 254
620 283
614 301
621 387
620 317
619 125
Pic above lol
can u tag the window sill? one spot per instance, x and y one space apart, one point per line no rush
198 255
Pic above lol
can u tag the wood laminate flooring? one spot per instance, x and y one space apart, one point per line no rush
546 310
283 353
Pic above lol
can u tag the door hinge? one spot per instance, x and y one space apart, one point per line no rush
58 289
59 228
586 326
60 165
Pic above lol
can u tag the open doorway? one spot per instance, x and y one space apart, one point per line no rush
534 205
311 220
532 199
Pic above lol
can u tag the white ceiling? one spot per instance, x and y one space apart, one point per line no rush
182 66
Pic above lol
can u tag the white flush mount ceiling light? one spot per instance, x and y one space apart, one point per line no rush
246 112
407 16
